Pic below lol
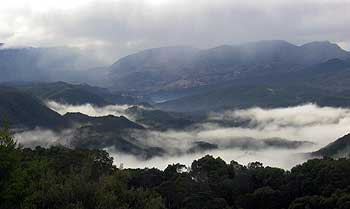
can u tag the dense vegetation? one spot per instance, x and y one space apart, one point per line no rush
63 178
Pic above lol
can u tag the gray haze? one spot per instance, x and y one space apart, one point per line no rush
319 125
112 28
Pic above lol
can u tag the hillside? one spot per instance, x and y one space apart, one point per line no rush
75 94
23 110
337 149
260 95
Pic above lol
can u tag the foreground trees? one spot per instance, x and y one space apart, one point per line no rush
77 179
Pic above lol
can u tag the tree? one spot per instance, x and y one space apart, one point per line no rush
7 142
9 160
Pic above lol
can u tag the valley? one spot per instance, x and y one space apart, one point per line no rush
137 132
216 112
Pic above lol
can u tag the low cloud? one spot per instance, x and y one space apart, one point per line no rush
306 122
311 123
89 109
43 138
285 159
275 137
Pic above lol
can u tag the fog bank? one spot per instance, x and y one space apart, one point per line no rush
43 138
275 137
89 109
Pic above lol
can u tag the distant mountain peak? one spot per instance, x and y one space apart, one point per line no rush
277 42
321 44
270 43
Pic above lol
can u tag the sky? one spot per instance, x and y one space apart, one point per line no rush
114 28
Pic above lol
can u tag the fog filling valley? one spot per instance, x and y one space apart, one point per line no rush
311 125
88 109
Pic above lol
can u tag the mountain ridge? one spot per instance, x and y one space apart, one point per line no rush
202 67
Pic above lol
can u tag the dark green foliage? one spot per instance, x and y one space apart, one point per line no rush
63 178
9 159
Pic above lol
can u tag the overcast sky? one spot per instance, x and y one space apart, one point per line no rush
113 28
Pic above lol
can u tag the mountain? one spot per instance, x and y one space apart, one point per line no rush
22 110
317 52
48 64
325 84
75 94
151 67
337 149
171 68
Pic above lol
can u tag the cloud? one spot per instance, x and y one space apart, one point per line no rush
43 138
88 109
113 28
306 122
285 159
320 125
276 137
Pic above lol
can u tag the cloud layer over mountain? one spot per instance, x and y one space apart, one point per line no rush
126 26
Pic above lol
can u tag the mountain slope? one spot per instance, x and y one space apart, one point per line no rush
262 95
326 83
26 111
151 67
337 149
332 75
75 94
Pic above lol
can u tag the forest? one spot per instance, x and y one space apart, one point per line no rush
63 178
